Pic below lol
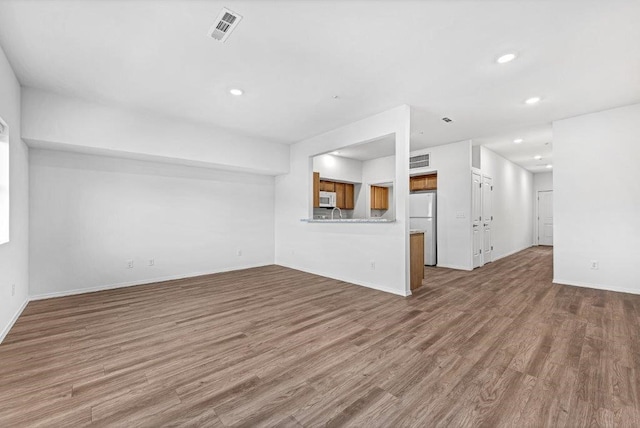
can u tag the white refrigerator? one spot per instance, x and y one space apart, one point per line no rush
422 216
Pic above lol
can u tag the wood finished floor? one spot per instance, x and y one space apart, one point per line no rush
500 346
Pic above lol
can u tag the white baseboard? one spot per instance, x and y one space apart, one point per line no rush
139 282
511 253
351 281
596 286
454 267
15 317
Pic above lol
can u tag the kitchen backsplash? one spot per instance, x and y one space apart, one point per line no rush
326 213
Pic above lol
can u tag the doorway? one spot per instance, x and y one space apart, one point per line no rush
482 218
545 217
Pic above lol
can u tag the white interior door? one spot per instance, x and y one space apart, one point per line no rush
487 219
476 217
545 218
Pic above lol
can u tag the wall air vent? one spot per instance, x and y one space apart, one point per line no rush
420 161
225 23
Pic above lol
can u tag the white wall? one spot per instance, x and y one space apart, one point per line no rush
14 255
452 162
596 182
512 204
89 214
338 168
378 171
58 122
542 181
345 251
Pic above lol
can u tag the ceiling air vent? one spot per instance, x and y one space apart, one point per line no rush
225 23
420 161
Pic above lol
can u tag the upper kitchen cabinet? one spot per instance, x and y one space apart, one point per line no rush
316 190
423 182
344 192
340 195
343 178
379 198
349 197
327 186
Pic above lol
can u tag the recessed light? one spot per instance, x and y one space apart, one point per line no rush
532 100
518 140
335 153
549 165
506 58
235 91
537 157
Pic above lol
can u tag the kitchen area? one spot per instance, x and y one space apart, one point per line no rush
356 185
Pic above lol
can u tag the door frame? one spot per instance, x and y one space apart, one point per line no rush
482 201
474 172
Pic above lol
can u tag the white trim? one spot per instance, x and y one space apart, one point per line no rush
468 269
13 320
140 282
360 283
596 286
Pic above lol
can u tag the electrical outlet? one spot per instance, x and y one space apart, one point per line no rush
595 265
13 290
239 253
129 264
152 262
373 265
460 214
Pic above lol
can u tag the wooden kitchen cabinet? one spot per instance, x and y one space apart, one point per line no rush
349 199
432 182
316 189
417 183
379 198
345 192
423 182
344 196
327 186
417 259
340 194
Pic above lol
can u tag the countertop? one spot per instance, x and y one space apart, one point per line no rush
415 231
347 220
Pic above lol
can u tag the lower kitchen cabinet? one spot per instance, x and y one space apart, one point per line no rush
417 259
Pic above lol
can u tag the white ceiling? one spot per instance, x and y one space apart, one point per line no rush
537 141
382 147
291 58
